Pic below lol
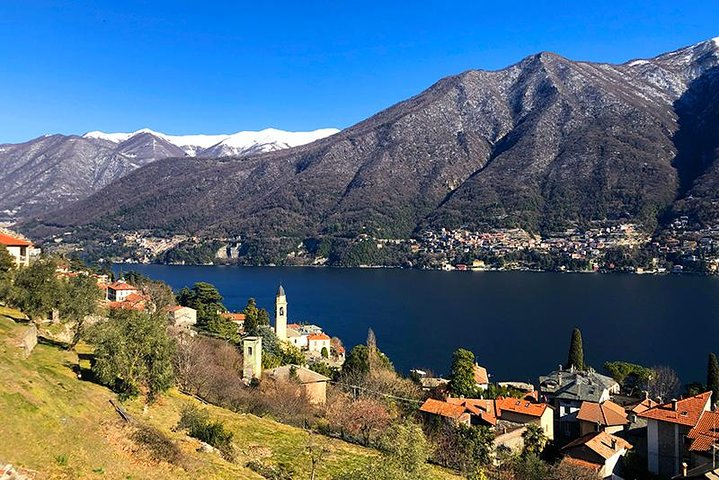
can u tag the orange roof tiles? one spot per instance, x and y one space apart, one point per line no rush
479 407
644 405
10 241
133 301
235 317
520 406
687 411
121 286
318 336
705 433
603 444
480 375
444 409
605 414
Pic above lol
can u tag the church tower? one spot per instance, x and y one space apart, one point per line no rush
281 314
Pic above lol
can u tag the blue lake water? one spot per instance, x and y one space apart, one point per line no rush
518 324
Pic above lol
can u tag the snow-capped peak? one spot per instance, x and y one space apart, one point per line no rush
226 144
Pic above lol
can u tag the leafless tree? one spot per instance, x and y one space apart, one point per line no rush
664 383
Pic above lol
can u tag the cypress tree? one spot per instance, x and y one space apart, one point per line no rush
576 351
713 377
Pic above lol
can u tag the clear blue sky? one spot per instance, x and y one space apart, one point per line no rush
212 67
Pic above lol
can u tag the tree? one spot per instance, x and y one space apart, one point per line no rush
7 266
7 262
404 456
79 300
360 420
664 383
132 352
324 352
251 317
159 292
35 289
576 351
461 380
223 327
204 298
713 376
629 375
358 361
534 439
467 449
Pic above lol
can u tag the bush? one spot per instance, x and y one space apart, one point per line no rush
282 471
158 444
198 425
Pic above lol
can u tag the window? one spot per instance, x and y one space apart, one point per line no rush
249 350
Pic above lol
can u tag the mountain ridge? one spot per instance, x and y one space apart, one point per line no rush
543 144
52 171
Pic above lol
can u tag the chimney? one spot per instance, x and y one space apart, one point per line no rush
675 404
614 443
684 469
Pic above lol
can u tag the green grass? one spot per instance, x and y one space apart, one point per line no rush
65 428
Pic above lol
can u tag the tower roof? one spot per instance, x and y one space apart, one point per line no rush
280 292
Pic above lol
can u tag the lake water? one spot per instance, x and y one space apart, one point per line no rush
517 323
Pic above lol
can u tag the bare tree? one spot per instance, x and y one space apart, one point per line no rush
317 451
664 383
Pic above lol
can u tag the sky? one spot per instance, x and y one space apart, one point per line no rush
184 66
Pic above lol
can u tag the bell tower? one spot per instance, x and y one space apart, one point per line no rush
281 314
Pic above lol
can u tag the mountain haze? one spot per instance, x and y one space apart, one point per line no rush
543 144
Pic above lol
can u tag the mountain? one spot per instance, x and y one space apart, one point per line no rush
53 171
544 144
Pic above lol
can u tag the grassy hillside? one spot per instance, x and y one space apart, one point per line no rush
63 427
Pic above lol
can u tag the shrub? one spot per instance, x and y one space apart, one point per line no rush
281 471
198 425
158 444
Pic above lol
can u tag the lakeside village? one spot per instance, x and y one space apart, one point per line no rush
605 247
575 423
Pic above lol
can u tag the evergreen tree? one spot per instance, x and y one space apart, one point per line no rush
252 320
461 380
576 351
713 377
204 298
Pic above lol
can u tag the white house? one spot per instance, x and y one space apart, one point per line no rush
18 248
668 427
119 291
600 450
299 340
317 341
182 316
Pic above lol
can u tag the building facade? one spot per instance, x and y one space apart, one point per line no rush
18 248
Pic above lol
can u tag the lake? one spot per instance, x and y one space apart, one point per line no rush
517 323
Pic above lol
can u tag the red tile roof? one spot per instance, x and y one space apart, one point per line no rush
687 411
603 444
10 241
121 286
607 414
444 409
705 433
133 301
235 317
484 409
480 375
318 336
516 405
644 405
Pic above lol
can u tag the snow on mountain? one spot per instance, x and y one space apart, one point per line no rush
266 140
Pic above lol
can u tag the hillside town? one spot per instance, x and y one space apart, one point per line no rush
621 424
